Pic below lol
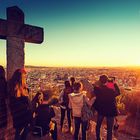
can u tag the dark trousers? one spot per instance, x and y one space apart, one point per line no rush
63 117
110 122
21 133
77 122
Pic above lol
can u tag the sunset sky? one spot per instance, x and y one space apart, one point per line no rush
80 32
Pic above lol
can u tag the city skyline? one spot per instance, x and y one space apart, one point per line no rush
80 33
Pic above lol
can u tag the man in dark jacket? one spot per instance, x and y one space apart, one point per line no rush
105 105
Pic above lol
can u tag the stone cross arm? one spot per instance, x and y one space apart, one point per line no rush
16 33
29 33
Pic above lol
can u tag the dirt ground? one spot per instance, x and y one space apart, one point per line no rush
65 135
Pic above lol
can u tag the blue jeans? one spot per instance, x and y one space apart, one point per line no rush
110 122
21 133
78 121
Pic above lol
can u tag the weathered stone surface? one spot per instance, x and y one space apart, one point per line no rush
15 54
16 33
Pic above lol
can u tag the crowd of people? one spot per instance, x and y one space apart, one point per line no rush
36 116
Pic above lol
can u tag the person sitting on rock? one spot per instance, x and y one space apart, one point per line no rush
44 115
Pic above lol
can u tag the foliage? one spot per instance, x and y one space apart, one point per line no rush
132 103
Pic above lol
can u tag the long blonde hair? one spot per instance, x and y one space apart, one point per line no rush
18 86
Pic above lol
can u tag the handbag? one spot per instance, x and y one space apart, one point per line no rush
86 112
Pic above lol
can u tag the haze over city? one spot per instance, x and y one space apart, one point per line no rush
80 32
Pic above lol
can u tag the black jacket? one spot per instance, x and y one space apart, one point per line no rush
105 102
44 114
21 111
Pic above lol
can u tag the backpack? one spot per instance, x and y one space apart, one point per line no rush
86 111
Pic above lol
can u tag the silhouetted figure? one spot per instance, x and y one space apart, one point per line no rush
3 95
76 103
44 115
37 100
20 104
113 85
105 104
72 81
64 104
35 103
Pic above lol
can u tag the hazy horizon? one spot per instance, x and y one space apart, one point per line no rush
102 67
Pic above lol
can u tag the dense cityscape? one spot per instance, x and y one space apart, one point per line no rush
48 78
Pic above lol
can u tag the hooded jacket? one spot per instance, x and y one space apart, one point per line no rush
76 103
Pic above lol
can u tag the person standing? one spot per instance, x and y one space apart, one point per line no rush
105 105
64 104
72 81
3 106
76 103
20 104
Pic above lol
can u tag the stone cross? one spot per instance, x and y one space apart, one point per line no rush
15 32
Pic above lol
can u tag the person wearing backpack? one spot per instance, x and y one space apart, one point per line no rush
76 100
64 104
72 81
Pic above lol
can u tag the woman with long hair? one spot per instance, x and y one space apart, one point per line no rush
35 103
17 84
19 103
